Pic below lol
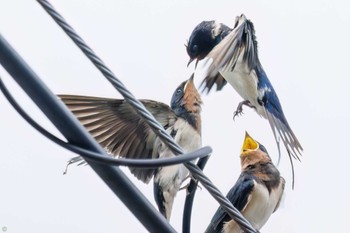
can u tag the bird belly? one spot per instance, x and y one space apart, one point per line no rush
189 139
170 178
260 207
245 82
168 181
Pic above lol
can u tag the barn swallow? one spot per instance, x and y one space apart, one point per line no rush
232 56
257 192
123 133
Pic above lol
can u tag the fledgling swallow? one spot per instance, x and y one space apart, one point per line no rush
122 132
232 56
257 192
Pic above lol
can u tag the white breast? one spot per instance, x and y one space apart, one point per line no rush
261 204
245 82
190 140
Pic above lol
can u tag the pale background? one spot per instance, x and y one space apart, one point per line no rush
304 48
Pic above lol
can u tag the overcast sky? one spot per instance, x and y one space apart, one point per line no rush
303 46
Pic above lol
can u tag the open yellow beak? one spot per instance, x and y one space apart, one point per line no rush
249 144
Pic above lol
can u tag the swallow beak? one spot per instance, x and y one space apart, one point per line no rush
190 61
189 82
249 144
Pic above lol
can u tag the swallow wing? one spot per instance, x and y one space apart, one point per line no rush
238 196
283 183
277 119
119 129
225 55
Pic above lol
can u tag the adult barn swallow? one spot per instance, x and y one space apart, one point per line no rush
257 192
122 132
232 56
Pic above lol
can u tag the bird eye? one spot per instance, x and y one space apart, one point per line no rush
179 91
194 49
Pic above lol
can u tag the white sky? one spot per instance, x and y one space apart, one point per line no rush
304 48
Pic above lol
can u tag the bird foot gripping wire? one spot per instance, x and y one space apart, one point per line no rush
239 110
188 184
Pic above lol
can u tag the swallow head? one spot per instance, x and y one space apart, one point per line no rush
253 152
204 37
186 103
186 98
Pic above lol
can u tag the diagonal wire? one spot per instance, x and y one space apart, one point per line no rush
142 111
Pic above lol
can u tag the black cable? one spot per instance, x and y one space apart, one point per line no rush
74 132
105 159
191 191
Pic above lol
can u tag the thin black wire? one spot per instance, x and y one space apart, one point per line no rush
142 111
191 191
97 157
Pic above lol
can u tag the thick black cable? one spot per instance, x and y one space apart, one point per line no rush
148 117
75 133
96 157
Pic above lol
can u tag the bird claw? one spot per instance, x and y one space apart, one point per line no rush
188 184
239 110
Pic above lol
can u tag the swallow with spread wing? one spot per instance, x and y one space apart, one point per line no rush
122 132
231 55
257 192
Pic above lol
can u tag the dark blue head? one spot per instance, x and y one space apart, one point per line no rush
186 99
263 149
176 100
204 37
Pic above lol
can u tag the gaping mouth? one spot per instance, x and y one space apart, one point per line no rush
192 59
249 144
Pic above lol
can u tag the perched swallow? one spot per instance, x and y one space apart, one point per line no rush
122 132
257 192
232 56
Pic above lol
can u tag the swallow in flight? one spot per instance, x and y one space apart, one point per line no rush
231 55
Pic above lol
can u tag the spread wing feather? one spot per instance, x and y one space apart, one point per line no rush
119 129
223 56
